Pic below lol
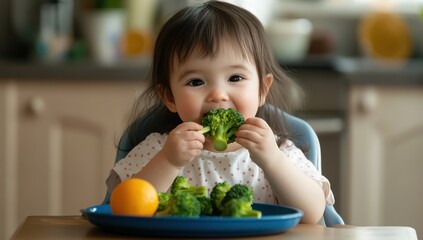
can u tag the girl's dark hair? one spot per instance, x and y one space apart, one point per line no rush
205 28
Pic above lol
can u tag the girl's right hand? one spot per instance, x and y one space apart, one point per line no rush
183 144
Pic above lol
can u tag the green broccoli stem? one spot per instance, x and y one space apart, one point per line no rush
220 140
220 144
196 190
165 212
204 130
231 133
252 213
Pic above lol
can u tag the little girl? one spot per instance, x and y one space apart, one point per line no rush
216 55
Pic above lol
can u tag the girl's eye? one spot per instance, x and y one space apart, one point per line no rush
195 82
235 78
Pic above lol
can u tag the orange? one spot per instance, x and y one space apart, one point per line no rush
135 43
135 197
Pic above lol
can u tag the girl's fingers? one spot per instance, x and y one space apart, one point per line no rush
254 132
255 125
251 136
250 131
193 126
255 121
189 131
195 145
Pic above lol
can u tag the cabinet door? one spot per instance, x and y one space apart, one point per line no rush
8 150
67 133
3 154
386 149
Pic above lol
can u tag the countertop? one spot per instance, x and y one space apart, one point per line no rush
357 71
363 70
72 71
377 72
76 227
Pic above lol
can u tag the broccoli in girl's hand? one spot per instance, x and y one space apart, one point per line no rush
221 125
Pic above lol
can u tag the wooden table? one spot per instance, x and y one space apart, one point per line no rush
77 227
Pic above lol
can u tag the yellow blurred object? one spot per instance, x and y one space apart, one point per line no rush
135 43
385 35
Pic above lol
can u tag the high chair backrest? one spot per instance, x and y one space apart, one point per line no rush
302 134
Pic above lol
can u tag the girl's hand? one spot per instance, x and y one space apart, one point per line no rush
183 144
257 136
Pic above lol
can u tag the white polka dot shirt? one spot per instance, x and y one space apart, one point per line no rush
210 168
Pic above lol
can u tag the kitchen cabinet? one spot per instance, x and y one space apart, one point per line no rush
57 144
385 128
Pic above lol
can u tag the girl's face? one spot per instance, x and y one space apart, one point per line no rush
226 80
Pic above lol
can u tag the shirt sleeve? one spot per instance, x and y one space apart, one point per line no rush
136 159
112 181
304 165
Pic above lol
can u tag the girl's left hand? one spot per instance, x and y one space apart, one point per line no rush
257 136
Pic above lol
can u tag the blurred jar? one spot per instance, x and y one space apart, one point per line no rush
264 10
103 28
290 38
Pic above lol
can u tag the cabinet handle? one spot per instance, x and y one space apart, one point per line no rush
369 101
37 105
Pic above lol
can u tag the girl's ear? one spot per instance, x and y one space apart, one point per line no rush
167 98
267 83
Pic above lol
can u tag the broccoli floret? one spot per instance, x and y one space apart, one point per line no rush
163 200
217 194
221 125
206 206
239 207
239 191
182 204
180 184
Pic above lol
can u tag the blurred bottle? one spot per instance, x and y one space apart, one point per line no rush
138 37
55 30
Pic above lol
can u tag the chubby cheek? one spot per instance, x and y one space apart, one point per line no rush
186 106
189 112
187 116
248 107
248 112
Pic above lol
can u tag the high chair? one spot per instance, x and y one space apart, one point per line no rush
303 134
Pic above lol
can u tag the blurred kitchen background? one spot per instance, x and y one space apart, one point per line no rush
70 70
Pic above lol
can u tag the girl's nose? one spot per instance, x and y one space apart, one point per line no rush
218 94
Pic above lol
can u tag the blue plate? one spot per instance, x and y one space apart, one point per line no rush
275 219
